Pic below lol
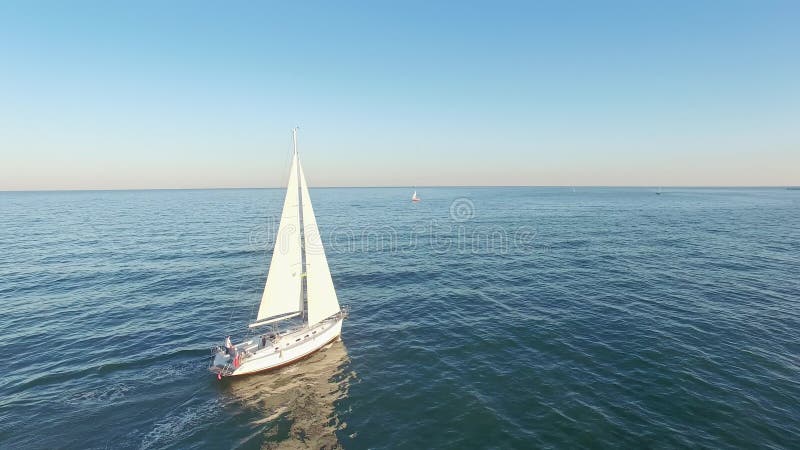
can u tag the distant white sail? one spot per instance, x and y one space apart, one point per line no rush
282 292
322 301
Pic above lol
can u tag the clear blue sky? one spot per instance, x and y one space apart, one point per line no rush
167 94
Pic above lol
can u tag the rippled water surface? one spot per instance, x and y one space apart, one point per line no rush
480 317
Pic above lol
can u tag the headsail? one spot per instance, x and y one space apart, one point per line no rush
322 301
282 292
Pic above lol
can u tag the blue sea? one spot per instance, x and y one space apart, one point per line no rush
479 318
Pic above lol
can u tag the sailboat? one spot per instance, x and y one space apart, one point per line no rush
414 197
299 288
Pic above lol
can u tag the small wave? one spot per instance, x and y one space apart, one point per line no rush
102 395
106 369
178 425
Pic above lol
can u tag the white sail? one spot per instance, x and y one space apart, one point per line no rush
282 292
322 301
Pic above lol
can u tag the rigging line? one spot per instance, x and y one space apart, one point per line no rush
287 162
252 311
233 309
288 158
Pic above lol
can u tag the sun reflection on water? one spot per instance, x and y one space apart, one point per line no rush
295 407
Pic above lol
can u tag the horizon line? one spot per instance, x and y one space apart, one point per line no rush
776 186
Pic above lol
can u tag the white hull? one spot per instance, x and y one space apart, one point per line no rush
289 346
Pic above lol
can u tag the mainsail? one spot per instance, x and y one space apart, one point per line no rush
282 292
322 301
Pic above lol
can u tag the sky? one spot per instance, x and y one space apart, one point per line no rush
192 94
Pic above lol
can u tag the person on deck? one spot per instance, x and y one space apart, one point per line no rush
228 345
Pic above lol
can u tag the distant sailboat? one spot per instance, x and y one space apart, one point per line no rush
298 284
414 197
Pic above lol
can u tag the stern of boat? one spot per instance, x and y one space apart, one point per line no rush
221 363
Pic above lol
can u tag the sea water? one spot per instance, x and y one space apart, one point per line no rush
479 318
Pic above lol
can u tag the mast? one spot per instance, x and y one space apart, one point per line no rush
303 285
